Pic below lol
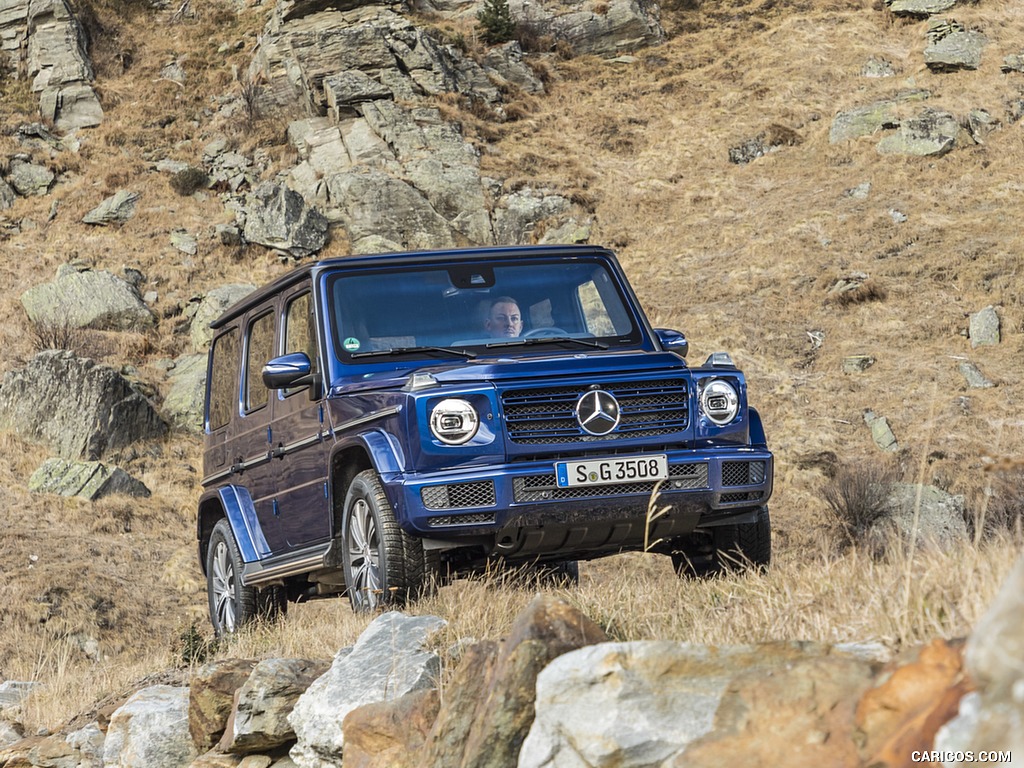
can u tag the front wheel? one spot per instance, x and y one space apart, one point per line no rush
383 565
732 548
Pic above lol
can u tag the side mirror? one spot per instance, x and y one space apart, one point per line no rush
672 341
291 370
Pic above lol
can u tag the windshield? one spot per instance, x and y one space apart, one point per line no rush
471 309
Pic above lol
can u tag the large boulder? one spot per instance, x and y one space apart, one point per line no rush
80 409
87 299
211 306
387 662
88 480
489 704
938 516
259 722
960 49
29 179
150 730
602 28
211 698
929 133
868 119
186 398
278 217
390 734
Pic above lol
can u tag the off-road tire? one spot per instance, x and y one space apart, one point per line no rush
231 604
383 565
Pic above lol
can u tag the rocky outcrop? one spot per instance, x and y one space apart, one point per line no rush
80 409
605 28
952 47
929 133
186 398
89 480
278 217
83 298
869 119
44 39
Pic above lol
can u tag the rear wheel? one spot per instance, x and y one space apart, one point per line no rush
231 603
383 565
732 547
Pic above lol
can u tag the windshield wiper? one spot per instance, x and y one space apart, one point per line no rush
403 350
546 340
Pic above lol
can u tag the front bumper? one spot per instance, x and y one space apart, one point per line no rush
517 511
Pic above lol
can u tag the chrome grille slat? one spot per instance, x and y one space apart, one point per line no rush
546 415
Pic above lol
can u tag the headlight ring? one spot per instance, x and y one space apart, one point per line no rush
719 401
454 421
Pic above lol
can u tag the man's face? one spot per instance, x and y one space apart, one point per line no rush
504 320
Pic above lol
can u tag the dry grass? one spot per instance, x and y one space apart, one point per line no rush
733 255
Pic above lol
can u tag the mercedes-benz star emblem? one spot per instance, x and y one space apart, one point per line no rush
597 412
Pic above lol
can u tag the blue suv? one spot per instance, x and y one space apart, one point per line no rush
374 423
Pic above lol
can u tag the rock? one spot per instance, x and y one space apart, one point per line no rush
87 299
993 718
488 707
88 742
930 133
211 698
878 67
920 7
775 137
212 306
975 378
259 722
51 751
390 734
187 396
1013 63
984 328
388 661
184 242
857 363
347 90
89 480
517 214
228 234
881 433
938 515
621 25
150 730
980 124
958 50
871 118
13 692
7 195
860 192
659 703
10 733
116 209
29 179
80 409
902 713
70 107
277 217
374 206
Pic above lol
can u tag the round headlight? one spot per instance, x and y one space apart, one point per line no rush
719 401
454 421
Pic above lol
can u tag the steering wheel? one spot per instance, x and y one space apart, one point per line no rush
549 330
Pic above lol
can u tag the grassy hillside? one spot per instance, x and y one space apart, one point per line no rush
740 257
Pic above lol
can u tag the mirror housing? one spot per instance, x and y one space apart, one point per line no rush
287 371
672 341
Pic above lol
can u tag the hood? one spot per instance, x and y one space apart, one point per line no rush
506 369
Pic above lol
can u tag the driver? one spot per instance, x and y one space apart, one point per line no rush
504 320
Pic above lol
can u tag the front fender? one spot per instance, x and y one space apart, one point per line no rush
236 503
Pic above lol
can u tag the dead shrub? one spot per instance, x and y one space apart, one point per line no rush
857 498
869 290
57 334
189 180
1004 510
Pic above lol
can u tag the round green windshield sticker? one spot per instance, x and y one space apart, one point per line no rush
351 344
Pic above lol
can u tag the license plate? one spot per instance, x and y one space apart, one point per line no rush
633 469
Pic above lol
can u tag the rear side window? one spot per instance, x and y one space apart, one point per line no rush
259 350
223 379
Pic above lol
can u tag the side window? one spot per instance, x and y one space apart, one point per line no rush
223 379
259 350
299 335
594 312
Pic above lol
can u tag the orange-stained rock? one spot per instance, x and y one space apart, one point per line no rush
390 734
902 714
211 696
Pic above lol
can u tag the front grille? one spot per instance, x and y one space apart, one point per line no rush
474 518
459 495
732 498
547 415
544 487
743 472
